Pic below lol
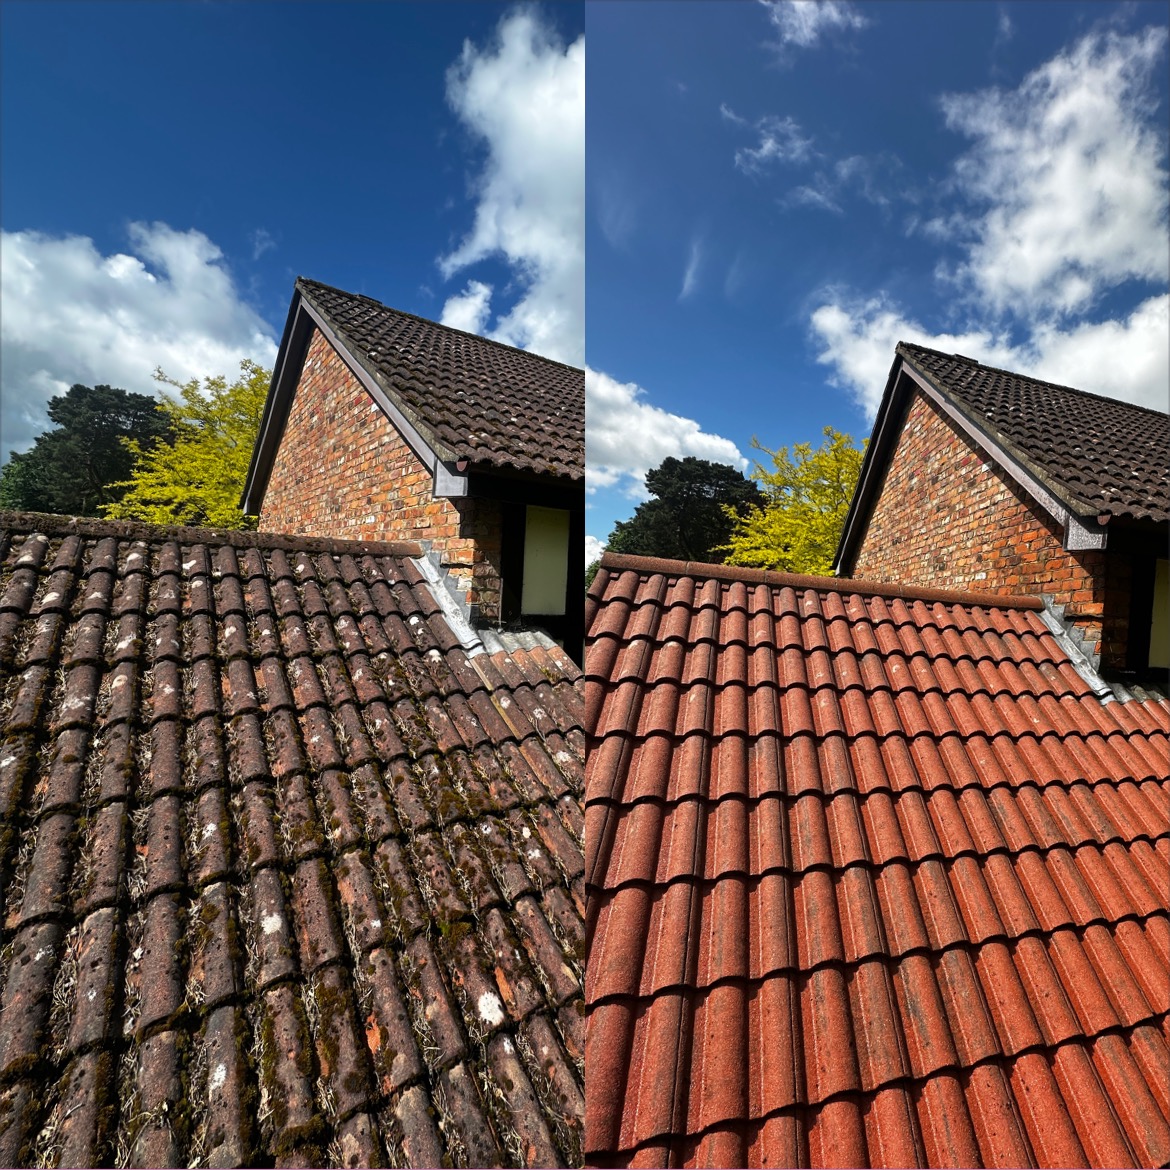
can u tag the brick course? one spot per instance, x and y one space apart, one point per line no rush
343 470
950 517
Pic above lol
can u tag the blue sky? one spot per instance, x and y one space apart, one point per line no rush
778 193
168 169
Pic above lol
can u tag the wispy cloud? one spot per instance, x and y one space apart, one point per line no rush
262 241
866 176
780 140
729 115
691 275
802 24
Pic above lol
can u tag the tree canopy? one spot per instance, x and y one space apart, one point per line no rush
198 476
687 519
75 468
807 496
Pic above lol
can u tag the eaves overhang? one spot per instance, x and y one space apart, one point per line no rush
449 479
1082 527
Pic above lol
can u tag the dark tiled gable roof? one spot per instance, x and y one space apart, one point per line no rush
1098 454
484 402
284 873
871 880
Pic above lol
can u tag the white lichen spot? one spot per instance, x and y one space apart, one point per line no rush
49 598
210 830
217 1079
491 1010
229 631
7 762
271 923
533 854
486 830
168 689
124 644
526 832
43 953
118 683
188 566
375 923
508 1046
91 994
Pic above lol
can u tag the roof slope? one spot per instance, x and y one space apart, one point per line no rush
481 401
1100 455
284 873
871 880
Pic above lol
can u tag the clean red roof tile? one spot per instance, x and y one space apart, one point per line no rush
876 882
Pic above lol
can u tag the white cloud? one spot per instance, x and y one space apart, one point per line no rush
593 549
1127 359
469 310
691 275
74 315
1069 170
625 437
780 141
524 95
803 23
729 115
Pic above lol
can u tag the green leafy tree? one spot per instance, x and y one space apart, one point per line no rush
688 518
75 468
198 477
799 524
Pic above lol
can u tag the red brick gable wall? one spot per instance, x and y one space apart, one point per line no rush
948 516
343 470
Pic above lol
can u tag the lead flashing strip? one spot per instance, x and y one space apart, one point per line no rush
1076 655
468 638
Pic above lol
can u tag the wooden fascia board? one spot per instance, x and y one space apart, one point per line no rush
276 408
886 428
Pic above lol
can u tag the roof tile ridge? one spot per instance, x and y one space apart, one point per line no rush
751 576
305 280
51 524
1031 378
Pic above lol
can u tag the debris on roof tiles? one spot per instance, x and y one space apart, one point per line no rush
286 877
873 879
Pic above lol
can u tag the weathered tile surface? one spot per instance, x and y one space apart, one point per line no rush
285 875
872 879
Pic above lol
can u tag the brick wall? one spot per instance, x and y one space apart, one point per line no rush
948 516
343 470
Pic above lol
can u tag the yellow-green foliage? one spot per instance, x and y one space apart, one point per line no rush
797 529
199 477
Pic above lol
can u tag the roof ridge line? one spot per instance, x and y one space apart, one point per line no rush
308 280
1031 378
745 575
51 524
